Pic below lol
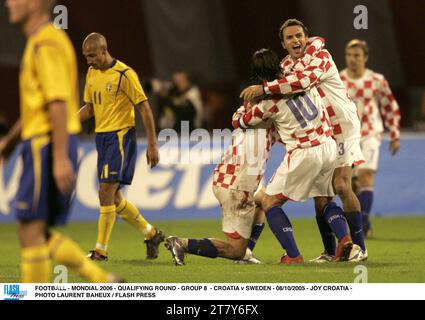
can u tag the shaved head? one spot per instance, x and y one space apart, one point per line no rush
95 50
95 41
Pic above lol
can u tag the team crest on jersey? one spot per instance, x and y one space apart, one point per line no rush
108 87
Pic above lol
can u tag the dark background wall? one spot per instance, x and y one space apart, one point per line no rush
214 41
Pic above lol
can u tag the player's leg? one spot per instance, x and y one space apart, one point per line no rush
233 249
31 210
68 253
282 228
366 179
334 217
36 264
351 204
107 215
61 248
326 233
259 218
257 228
127 211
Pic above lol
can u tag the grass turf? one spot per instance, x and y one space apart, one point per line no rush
396 255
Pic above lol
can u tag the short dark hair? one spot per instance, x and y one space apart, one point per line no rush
265 65
356 43
292 22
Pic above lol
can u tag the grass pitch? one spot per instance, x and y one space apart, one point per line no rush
396 254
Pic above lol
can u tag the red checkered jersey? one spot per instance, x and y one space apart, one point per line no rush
243 165
373 97
317 69
301 120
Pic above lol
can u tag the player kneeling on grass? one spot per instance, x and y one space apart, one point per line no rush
308 167
236 178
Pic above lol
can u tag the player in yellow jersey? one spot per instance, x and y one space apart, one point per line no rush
48 126
111 94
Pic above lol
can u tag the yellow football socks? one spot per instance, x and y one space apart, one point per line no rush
36 266
65 251
129 213
105 226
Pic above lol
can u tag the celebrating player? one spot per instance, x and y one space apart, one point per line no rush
236 178
48 127
375 101
309 66
306 171
238 208
112 91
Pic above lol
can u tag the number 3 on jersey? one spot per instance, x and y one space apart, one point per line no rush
302 111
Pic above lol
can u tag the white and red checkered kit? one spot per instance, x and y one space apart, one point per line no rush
373 97
317 68
301 121
243 165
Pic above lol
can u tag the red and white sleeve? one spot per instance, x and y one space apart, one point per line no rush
390 110
301 80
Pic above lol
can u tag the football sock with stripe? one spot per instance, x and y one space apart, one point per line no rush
65 251
334 217
105 226
257 229
36 266
282 229
130 214
354 220
328 237
366 199
202 247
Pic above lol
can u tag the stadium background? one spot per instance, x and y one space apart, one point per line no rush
213 40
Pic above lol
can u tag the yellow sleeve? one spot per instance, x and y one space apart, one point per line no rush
132 87
87 94
52 72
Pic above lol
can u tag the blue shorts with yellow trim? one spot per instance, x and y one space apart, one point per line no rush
38 197
116 156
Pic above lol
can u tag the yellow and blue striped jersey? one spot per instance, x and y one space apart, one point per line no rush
48 73
113 93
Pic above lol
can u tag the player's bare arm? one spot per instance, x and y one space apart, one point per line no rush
152 153
86 112
9 142
63 171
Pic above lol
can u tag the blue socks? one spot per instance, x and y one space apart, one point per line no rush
354 220
328 237
366 199
282 229
202 247
257 229
334 217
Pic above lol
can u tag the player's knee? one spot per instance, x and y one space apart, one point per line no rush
342 185
267 203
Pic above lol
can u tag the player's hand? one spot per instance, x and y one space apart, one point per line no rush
152 155
64 175
252 92
394 146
